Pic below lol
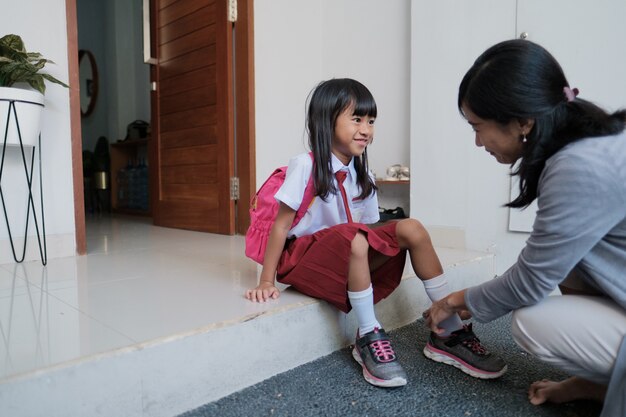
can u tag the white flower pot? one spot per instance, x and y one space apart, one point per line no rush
28 107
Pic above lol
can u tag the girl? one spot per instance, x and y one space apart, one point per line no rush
573 161
331 254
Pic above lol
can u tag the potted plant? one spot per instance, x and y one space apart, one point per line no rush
21 68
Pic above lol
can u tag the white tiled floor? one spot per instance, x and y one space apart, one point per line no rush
137 283
129 328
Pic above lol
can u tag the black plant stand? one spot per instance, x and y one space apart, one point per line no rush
28 173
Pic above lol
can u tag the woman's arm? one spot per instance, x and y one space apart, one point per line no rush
580 201
275 245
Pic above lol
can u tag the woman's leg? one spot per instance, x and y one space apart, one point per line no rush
582 338
570 389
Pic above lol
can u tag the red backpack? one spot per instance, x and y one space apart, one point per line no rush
263 211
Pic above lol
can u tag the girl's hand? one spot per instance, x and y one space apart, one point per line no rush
263 292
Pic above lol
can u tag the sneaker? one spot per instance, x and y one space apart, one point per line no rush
463 350
374 353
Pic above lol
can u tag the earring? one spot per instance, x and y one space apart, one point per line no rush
524 139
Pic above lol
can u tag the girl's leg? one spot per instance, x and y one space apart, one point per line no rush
372 349
414 237
458 345
359 273
360 291
582 337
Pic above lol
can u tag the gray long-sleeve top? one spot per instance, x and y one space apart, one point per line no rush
580 223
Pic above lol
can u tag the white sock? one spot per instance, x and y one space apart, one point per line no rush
436 289
363 305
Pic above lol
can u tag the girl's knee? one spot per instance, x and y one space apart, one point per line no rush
360 246
411 232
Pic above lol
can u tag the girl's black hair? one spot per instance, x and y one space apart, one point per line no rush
520 80
327 101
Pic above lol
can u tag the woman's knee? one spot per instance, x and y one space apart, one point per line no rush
523 329
535 329
360 246
411 233
578 334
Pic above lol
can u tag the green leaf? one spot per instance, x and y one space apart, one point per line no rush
17 65
38 84
14 42
54 80
39 64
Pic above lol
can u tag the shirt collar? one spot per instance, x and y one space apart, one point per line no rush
338 165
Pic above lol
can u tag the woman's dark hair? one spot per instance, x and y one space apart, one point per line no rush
327 101
520 80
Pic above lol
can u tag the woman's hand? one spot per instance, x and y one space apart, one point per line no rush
263 292
444 308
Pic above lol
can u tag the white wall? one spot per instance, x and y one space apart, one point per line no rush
411 55
386 45
455 184
44 30
299 43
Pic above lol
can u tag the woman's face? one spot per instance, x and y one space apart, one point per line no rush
502 142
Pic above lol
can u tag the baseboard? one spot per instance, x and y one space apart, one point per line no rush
56 246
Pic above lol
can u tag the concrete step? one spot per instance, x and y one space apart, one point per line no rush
174 374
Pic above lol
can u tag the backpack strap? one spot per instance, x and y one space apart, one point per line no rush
309 194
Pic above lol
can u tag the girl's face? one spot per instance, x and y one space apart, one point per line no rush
502 142
352 135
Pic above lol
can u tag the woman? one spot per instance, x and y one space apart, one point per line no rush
572 159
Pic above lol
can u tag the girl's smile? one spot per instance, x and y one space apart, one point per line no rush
352 135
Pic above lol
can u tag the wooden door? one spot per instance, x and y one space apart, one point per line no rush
192 146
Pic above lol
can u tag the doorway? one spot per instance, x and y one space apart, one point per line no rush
138 100
115 97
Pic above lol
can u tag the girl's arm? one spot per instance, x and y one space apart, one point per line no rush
275 245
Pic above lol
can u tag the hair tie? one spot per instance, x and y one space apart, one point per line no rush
570 93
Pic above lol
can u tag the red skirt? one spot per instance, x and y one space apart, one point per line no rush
317 265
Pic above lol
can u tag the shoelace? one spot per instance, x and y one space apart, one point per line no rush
383 351
467 338
475 346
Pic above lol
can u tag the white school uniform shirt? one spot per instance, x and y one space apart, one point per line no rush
323 214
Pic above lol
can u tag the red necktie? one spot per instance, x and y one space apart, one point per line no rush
341 176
